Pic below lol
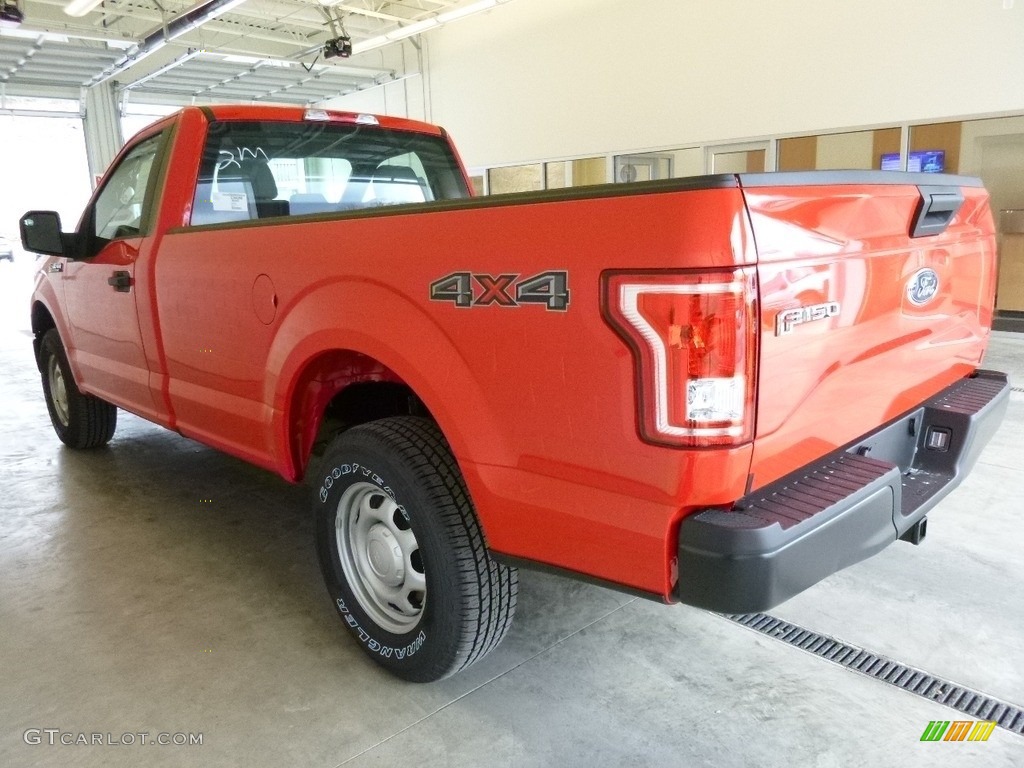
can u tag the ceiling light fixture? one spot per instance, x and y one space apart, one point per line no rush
81 7
31 34
418 27
466 10
413 29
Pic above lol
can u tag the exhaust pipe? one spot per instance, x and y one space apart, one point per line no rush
915 534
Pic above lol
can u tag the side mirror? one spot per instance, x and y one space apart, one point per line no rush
40 233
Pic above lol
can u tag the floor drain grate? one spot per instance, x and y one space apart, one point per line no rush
1017 389
974 703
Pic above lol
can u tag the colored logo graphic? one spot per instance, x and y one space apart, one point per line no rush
958 730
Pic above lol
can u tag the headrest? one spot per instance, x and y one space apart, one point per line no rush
262 179
396 173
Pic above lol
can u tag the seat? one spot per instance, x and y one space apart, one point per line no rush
393 184
264 189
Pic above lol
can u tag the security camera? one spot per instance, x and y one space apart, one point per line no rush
339 46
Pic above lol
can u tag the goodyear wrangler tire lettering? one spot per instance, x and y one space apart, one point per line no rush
372 645
402 553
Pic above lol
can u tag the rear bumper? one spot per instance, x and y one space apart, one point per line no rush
843 508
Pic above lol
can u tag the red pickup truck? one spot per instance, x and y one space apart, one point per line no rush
716 390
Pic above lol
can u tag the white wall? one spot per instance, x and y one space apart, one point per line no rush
994 150
536 79
403 97
845 150
975 134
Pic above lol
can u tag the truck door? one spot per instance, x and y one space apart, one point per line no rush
99 286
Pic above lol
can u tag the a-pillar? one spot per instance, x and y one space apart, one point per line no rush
102 122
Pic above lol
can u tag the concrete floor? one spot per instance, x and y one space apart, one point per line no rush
130 604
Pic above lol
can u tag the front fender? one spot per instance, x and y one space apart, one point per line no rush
374 319
46 300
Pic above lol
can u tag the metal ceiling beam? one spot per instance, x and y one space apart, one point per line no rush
8 45
214 26
371 14
75 56
283 76
191 19
304 16
244 85
55 70
190 54
252 81
61 58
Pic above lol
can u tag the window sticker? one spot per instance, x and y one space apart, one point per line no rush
229 201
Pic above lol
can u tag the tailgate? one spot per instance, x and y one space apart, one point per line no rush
876 292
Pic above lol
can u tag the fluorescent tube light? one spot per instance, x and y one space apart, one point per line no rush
81 7
412 29
431 22
466 10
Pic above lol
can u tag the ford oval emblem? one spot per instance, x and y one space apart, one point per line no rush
923 286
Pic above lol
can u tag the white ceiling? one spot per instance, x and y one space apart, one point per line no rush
259 50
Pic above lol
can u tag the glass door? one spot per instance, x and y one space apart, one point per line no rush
750 157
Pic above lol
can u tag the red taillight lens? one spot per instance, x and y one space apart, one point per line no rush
693 337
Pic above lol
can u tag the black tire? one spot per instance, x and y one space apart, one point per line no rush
394 486
80 421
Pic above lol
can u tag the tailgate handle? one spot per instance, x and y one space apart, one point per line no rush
936 208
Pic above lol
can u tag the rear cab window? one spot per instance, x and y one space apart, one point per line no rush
254 170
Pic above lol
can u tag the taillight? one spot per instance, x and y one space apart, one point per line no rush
693 337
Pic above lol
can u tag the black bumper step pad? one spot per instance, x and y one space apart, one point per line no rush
797 499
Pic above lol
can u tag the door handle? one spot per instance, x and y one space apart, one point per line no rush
121 281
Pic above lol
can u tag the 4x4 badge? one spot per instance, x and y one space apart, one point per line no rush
468 289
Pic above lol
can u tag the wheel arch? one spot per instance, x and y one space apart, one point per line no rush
42 321
379 338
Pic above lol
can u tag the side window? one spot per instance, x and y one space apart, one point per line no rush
119 209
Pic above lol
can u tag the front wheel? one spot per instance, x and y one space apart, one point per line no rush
402 552
80 420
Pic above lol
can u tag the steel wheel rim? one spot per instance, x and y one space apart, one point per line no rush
381 558
58 391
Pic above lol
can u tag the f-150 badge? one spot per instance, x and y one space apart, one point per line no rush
788 319
466 289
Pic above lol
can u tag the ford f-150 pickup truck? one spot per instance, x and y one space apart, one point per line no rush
715 390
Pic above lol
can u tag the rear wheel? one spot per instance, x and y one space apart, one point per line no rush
403 555
80 420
